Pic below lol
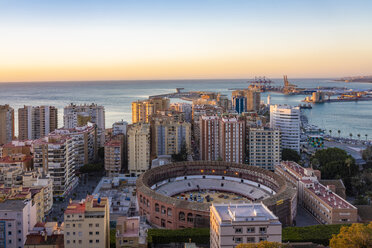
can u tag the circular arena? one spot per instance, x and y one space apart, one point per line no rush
179 195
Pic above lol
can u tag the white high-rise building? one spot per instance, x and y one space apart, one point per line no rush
119 127
79 115
287 119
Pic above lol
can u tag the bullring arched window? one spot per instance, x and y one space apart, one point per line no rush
169 212
156 207
181 216
163 210
190 217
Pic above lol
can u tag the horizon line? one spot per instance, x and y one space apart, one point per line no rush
172 79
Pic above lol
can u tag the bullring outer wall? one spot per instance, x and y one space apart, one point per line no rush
171 213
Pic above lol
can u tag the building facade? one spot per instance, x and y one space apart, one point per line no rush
264 147
56 155
326 206
114 156
287 119
168 136
17 218
139 147
6 124
232 139
142 110
129 234
36 122
87 223
79 115
209 138
231 225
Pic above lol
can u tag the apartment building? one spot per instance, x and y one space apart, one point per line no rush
232 139
264 147
17 218
114 155
142 110
17 160
168 136
129 233
326 206
26 193
6 124
119 127
16 147
32 179
139 146
85 142
209 138
36 122
183 107
231 225
56 155
87 223
246 100
79 115
287 119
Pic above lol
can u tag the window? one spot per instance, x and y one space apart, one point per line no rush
250 240
162 223
97 240
262 229
169 211
239 240
68 233
97 224
190 217
181 216
90 241
68 225
68 241
73 225
238 230
90 233
80 234
9 224
156 207
80 241
97 233
262 239
79 225
250 230
9 233
163 210
90 225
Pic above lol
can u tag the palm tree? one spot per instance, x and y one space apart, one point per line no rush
358 136
366 136
330 132
348 163
351 135
339 133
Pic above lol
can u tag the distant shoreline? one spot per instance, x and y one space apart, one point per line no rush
358 79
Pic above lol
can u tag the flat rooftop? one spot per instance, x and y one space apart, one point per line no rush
244 212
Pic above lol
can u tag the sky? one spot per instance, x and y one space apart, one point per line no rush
44 40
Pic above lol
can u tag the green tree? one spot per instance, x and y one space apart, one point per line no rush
339 133
367 154
182 155
351 135
290 155
354 236
358 136
335 163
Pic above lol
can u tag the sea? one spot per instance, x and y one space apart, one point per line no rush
116 97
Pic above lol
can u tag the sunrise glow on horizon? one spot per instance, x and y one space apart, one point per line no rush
127 40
